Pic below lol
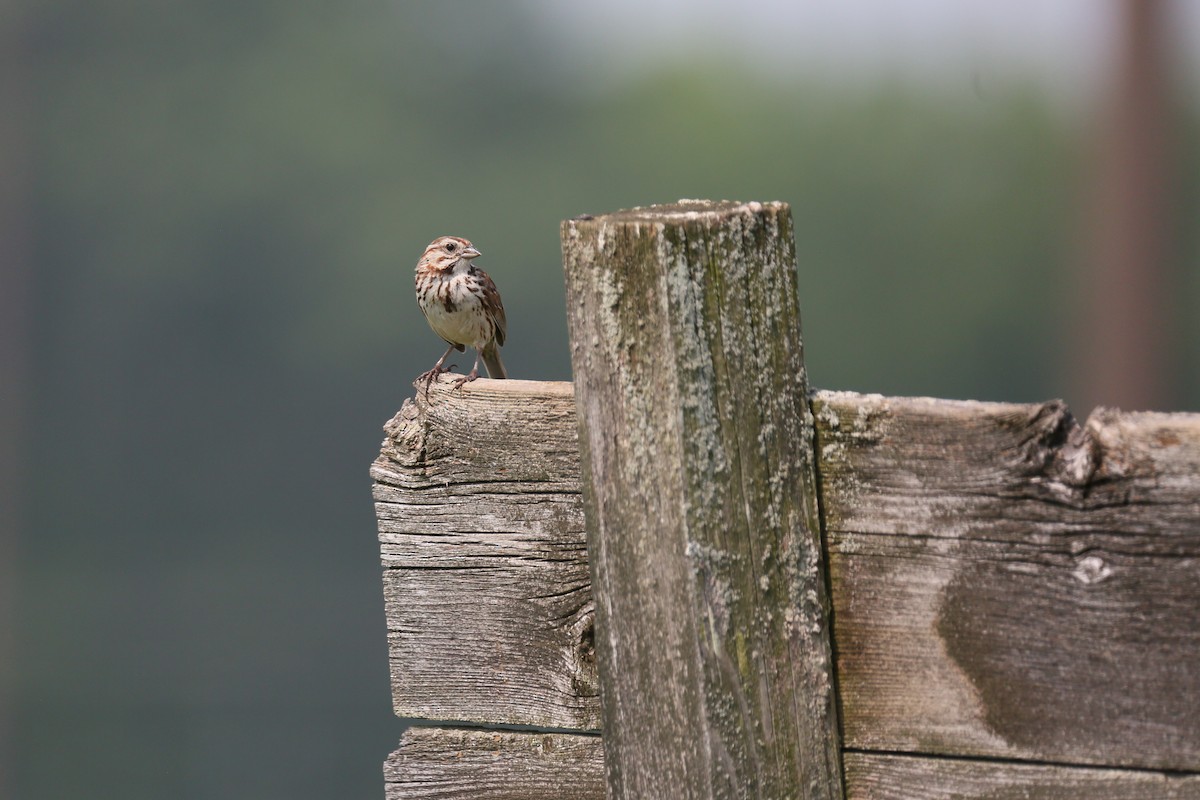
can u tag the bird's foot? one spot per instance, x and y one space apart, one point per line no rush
470 376
432 375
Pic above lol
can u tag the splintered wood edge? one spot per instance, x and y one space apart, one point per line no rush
922 466
485 387
489 430
444 763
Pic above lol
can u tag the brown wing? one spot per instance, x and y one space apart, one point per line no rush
495 308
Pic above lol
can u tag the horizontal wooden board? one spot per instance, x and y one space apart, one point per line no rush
489 432
888 777
1007 583
448 764
486 585
925 467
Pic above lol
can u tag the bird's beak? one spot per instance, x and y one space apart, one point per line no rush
470 253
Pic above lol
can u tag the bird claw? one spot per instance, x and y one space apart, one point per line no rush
432 375
470 376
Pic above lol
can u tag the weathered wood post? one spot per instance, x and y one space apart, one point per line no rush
700 498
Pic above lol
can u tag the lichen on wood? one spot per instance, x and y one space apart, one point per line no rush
700 497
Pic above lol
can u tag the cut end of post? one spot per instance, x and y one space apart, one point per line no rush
681 210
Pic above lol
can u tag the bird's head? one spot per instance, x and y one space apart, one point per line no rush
446 252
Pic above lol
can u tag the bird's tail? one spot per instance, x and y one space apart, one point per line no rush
491 360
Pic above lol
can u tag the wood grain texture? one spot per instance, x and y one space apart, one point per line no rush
450 764
486 582
888 777
988 603
700 496
1009 583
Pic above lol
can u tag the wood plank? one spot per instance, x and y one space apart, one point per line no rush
700 497
888 777
1007 583
920 466
448 764
973 632
486 585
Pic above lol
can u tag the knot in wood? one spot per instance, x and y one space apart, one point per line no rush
1091 568
1066 455
1078 459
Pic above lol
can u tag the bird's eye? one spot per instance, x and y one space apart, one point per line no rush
451 247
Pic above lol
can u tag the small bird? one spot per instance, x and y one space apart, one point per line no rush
462 305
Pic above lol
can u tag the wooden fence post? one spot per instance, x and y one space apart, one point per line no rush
700 499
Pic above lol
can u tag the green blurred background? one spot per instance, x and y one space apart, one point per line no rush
210 216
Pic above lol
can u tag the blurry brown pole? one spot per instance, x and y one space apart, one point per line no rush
1124 336
15 274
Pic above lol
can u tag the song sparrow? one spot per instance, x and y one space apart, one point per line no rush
462 305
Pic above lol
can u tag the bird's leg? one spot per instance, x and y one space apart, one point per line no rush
430 376
470 376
